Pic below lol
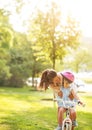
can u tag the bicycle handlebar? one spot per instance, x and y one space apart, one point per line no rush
83 105
73 103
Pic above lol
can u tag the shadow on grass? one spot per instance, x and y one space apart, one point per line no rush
47 99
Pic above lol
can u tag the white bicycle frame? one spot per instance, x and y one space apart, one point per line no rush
67 122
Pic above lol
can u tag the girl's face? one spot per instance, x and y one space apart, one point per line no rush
66 83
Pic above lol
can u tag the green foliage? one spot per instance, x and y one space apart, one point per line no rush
4 68
47 41
4 17
78 60
51 35
24 63
72 33
18 67
6 32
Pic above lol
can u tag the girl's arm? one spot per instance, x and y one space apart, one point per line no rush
76 97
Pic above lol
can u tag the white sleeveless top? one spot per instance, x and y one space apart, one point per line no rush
66 92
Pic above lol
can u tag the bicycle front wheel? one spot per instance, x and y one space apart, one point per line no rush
67 127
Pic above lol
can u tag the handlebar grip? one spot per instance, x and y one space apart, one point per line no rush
82 104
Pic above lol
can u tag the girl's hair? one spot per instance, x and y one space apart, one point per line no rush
47 77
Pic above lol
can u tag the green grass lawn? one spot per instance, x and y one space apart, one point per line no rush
23 109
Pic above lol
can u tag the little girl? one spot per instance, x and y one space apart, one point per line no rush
67 89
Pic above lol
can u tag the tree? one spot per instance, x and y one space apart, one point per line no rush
6 31
49 33
6 41
4 68
19 58
24 62
79 60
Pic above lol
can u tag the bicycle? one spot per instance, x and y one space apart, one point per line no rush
67 122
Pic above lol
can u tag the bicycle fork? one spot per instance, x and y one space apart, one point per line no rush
67 123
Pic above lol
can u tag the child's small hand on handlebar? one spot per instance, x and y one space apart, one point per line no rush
81 103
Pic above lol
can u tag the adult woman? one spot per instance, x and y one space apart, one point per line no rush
50 78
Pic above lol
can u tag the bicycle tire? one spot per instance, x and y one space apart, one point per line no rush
66 126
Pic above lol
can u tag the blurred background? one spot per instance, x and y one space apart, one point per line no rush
40 34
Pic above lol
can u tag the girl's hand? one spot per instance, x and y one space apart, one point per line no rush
81 103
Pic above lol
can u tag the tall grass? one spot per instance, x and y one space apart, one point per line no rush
24 109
